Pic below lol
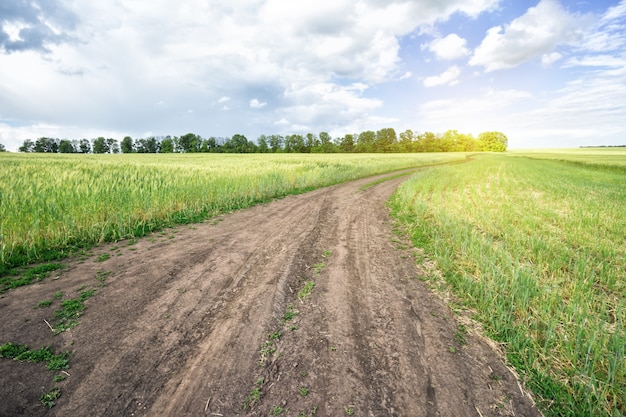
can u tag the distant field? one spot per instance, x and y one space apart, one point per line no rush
612 157
537 248
54 203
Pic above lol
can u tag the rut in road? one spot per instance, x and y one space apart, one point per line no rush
179 327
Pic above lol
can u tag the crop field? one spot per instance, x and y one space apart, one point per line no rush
51 204
536 248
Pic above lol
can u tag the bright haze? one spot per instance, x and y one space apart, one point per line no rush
546 73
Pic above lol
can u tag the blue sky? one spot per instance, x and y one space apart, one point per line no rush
547 73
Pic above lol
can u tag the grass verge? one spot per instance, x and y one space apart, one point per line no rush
536 249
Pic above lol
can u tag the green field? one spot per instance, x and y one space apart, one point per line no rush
52 204
536 248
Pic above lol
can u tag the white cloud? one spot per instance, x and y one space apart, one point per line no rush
448 77
450 47
551 58
256 104
536 33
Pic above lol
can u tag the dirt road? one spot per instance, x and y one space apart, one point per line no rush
205 320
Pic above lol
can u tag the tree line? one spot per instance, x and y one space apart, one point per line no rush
383 140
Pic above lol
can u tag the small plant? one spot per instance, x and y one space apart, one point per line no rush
45 354
277 410
252 398
275 336
71 310
459 335
37 273
58 295
348 409
317 268
326 253
59 378
267 348
290 313
44 303
102 275
103 257
305 292
304 391
49 398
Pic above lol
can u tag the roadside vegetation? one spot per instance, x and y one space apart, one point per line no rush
535 247
54 204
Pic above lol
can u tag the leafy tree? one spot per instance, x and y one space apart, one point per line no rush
311 142
427 142
238 144
385 140
113 145
263 145
167 145
493 141
2 148
365 142
405 144
84 146
326 143
47 145
346 144
148 145
189 143
27 146
127 145
66 146
100 145
276 143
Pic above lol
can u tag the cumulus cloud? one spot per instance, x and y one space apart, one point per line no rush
528 37
256 104
449 48
448 77
34 25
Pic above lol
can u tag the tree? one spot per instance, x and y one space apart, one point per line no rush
149 145
385 140
263 145
189 143
326 143
493 142
85 146
167 145
405 144
65 146
113 145
47 145
127 145
2 148
365 142
276 143
100 145
346 144
27 146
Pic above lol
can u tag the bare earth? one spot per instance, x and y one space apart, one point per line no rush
178 327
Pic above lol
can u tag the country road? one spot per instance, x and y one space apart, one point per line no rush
306 306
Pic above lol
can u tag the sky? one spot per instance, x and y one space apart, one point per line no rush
547 73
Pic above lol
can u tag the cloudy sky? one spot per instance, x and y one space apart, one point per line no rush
547 73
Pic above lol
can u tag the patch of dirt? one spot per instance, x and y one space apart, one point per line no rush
178 320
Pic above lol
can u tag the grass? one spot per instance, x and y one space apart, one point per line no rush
49 398
306 290
71 309
536 248
37 273
58 204
45 354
